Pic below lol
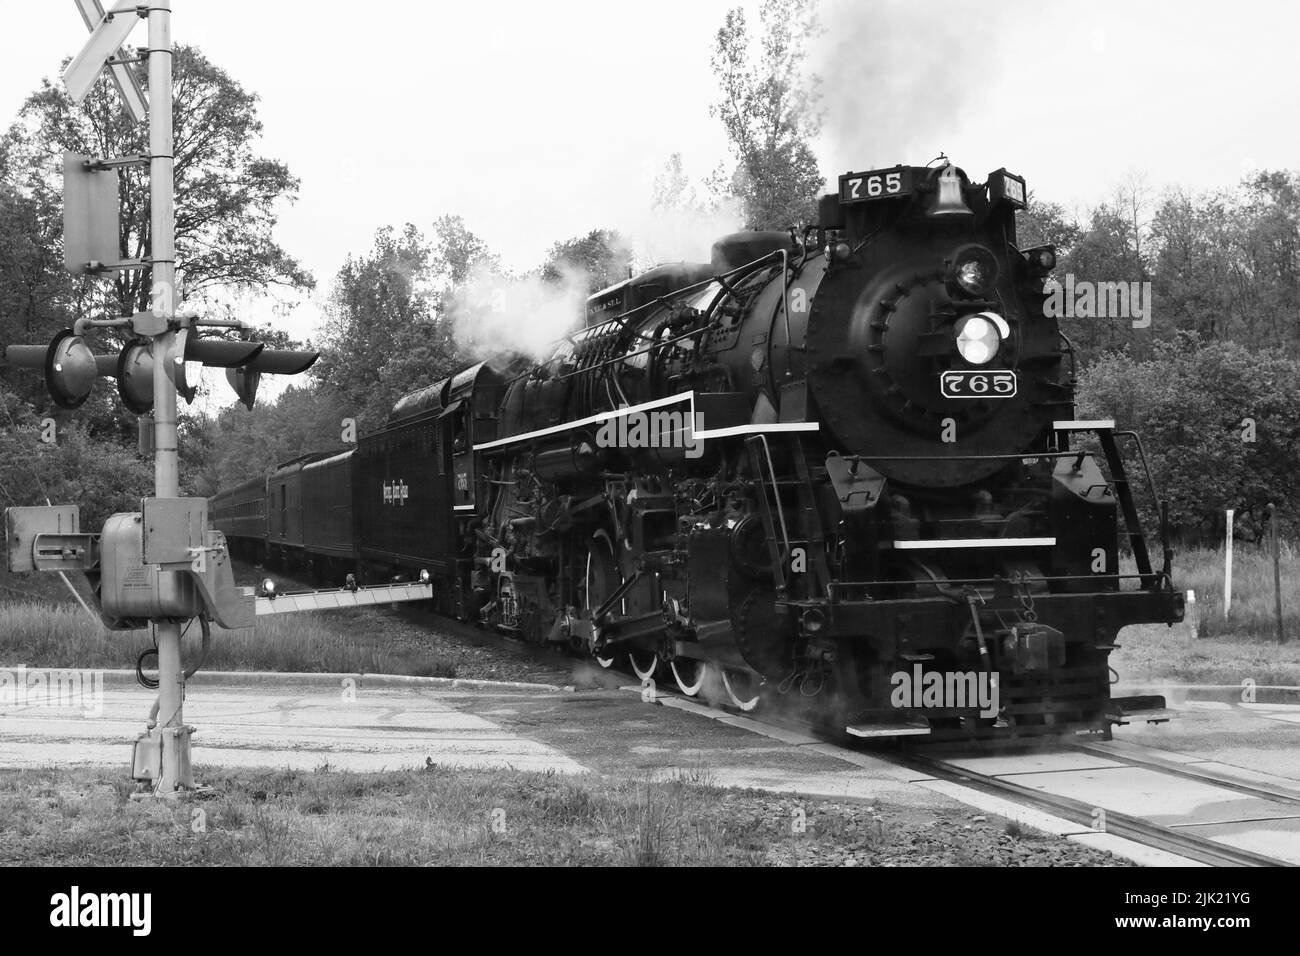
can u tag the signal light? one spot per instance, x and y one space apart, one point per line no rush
973 271
71 367
135 376
133 369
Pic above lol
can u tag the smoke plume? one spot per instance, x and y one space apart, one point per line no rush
679 233
897 77
497 315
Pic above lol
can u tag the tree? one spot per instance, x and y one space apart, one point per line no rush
1219 423
1268 231
672 190
35 292
1109 249
768 109
1044 223
100 477
601 258
1196 282
386 330
238 444
225 193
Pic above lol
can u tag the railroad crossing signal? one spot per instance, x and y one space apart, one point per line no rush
71 367
167 544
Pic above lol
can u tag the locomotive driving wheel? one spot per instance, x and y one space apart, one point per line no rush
743 688
601 580
690 675
644 663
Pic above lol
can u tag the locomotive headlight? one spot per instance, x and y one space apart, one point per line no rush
973 271
972 275
979 337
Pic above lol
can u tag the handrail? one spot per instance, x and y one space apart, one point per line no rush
780 509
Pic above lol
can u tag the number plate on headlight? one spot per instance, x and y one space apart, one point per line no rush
977 384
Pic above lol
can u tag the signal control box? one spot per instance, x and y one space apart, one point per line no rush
132 592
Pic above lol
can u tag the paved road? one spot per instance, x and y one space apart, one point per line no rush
300 724
305 722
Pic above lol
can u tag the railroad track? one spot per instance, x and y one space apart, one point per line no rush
1132 827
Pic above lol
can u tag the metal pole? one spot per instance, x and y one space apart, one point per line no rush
1277 573
1227 569
176 773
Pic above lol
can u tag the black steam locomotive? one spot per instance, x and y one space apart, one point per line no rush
840 467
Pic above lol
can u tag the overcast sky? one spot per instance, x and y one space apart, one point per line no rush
541 121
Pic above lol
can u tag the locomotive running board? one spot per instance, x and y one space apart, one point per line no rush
907 729
330 600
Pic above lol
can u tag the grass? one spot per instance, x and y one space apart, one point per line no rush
1209 649
436 817
1253 613
451 817
63 635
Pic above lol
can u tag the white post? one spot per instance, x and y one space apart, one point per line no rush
176 773
1227 569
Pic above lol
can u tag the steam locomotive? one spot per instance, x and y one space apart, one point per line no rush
839 467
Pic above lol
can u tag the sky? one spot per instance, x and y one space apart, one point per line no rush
542 121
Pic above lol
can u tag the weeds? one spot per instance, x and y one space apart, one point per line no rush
44 635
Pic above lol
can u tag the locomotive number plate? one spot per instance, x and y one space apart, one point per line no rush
876 184
976 384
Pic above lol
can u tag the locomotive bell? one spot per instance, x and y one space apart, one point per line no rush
949 201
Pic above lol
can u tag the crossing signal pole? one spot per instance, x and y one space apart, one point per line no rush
177 774
184 565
